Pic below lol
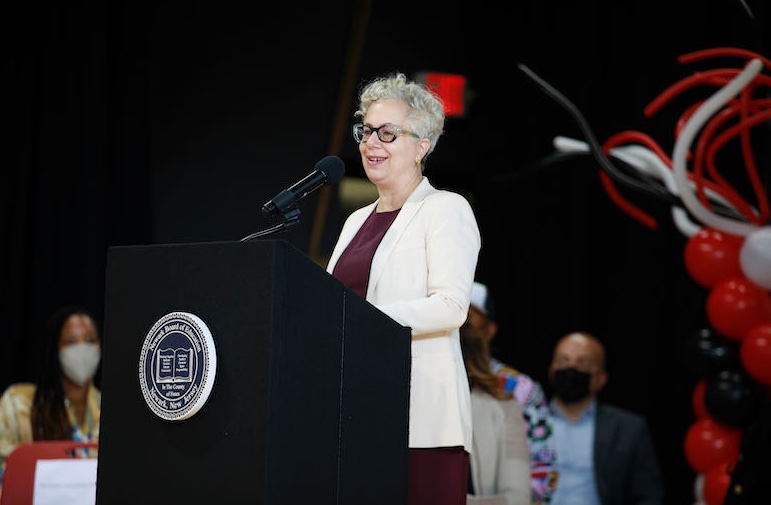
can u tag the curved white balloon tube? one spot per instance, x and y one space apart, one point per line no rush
648 162
683 143
655 166
652 165
644 159
569 145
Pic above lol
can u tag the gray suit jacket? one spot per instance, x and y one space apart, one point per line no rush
625 463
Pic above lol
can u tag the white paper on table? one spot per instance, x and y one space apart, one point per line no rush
65 482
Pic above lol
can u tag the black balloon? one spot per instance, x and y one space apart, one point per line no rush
733 398
708 353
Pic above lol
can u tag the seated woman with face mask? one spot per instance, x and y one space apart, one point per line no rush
63 403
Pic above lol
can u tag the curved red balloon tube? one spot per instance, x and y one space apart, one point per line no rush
745 112
722 52
742 128
635 137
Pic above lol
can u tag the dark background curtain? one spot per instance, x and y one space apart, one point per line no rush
149 123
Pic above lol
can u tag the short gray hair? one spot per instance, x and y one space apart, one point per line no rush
426 117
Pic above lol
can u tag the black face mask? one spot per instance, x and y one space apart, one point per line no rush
571 385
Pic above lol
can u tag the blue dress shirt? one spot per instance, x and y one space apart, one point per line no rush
574 441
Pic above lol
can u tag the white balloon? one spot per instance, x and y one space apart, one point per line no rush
755 257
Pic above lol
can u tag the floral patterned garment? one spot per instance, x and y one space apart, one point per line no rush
543 475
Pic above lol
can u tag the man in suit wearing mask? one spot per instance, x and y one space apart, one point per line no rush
605 454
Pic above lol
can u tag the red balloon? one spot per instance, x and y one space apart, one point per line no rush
712 256
736 305
755 353
716 482
697 400
709 443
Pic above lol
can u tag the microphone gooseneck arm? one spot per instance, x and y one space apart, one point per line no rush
291 217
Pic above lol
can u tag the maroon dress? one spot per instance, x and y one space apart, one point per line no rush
352 268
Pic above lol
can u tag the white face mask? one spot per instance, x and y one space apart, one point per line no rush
80 361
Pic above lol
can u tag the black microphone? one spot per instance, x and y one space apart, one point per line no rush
328 170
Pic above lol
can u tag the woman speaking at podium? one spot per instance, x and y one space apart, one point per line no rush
413 253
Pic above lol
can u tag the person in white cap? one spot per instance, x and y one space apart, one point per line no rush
482 323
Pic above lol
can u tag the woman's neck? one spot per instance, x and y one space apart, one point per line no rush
394 198
74 393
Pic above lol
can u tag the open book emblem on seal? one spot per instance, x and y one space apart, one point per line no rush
177 366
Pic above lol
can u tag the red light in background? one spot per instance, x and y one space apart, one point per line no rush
451 88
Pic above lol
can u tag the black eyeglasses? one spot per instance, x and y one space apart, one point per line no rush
386 133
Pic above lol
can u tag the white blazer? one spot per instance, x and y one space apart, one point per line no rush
421 276
500 462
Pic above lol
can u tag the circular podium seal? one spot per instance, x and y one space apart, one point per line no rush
177 366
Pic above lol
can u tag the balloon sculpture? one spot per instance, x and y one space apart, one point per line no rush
728 251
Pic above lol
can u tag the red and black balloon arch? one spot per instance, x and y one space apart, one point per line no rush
728 247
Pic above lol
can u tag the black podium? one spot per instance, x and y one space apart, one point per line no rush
310 399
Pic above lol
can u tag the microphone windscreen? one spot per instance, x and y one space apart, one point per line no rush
332 167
